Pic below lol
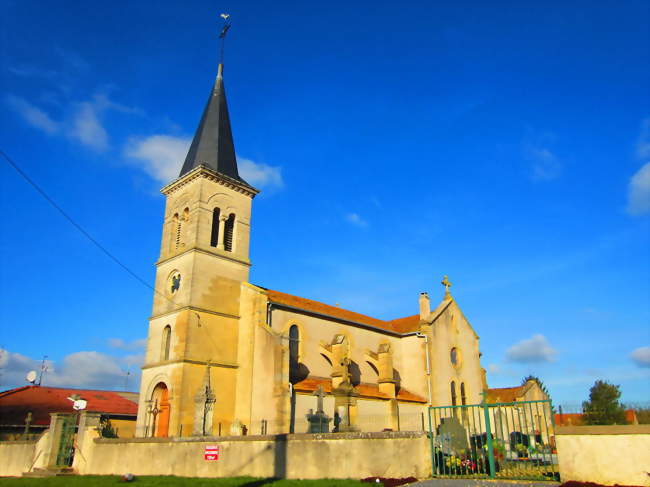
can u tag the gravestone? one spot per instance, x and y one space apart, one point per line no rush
452 434
318 421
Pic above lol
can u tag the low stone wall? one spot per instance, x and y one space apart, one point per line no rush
606 455
336 455
17 457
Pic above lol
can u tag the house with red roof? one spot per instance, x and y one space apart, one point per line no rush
28 408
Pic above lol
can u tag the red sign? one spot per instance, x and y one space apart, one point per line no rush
211 452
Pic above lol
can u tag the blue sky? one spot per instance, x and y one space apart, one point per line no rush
506 144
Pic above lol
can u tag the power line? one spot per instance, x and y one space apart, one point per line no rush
53 203
91 238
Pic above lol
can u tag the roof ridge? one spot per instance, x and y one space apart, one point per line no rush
333 311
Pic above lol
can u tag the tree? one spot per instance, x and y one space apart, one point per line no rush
603 406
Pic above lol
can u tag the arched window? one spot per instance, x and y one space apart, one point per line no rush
294 368
294 342
178 230
228 232
173 232
214 236
453 393
166 342
463 397
453 356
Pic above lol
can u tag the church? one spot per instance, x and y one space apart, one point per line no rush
228 357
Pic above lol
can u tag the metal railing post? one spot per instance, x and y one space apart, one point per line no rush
488 431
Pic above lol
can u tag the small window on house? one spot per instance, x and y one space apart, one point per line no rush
228 231
463 397
453 393
214 236
166 342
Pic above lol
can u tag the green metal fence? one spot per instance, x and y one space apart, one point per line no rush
503 440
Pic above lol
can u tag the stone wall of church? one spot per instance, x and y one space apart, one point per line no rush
452 331
315 332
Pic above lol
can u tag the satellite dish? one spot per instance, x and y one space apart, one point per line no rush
31 376
79 405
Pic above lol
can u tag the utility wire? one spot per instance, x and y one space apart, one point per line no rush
88 236
74 223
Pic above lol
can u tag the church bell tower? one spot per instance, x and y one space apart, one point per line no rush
204 259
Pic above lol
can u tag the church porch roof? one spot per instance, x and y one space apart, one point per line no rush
365 390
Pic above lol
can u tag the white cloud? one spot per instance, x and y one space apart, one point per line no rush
120 344
543 163
638 197
494 369
160 156
259 174
641 356
87 369
83 124
531 350
87 128
545 166
32 114
355 219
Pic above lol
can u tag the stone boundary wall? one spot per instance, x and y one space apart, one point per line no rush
608 455
17 457
334 455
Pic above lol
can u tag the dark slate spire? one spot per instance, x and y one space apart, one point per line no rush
212 145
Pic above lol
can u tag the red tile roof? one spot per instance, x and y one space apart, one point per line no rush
41 401
310 384
504 394
400 325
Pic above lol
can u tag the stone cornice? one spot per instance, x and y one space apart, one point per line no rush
207 173
189 361
193 308
219 254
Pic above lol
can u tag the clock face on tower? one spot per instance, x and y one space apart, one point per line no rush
174 282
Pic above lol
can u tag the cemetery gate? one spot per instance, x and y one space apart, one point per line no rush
65 451
503 440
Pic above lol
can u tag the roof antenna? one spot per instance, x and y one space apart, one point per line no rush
224 31
43 370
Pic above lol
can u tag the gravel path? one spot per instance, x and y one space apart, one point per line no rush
483 483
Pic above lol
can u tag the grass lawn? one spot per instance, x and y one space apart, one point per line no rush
101 481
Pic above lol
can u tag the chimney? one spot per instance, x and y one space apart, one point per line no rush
425 306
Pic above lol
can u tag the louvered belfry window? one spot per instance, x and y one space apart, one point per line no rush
453 393
214 236
228 232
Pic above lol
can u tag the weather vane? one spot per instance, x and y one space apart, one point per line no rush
224 31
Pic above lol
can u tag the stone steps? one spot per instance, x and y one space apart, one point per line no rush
50 472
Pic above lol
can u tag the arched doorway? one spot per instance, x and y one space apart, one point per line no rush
160 410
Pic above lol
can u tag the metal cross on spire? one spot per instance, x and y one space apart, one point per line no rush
222 35
445 282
